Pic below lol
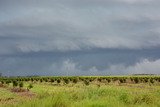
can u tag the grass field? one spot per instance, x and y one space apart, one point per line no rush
81 92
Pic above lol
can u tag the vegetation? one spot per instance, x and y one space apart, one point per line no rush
15 83
83 91
29 86
21 84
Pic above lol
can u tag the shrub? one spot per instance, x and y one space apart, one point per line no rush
52 80
29 86
121 80
99 79
26 79
66 81
108 80
15 83
158 79
58 81
41 80
131 79
45 79
90 80
151 80
75 80
21 84
32 79
2 82
86 82
145 80
136 80
114 78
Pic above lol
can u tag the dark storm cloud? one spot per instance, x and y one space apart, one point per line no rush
54 36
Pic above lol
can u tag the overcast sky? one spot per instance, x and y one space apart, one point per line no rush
79 37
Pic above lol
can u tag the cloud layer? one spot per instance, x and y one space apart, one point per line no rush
74 28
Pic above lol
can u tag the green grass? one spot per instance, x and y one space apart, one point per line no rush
95 94
91 96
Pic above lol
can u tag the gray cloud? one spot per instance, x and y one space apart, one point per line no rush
64 27
143 67
36 28
86 62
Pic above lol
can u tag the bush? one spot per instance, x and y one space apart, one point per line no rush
108 80
158 79
21 84
45 79
8 81
122 80
15 83
99 79
151 80
30 86
52 80
41 80
75 80
58 81
145 80
136 80
115 78
32 79
86 82
2 82
66 81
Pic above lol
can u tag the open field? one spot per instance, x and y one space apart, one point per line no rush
98 91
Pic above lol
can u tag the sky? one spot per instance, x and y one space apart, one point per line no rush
79 37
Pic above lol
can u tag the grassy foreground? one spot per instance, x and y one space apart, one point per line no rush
94 94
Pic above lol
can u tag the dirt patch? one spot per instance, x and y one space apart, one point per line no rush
22 95
18 90
2 85
23 92
27 94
